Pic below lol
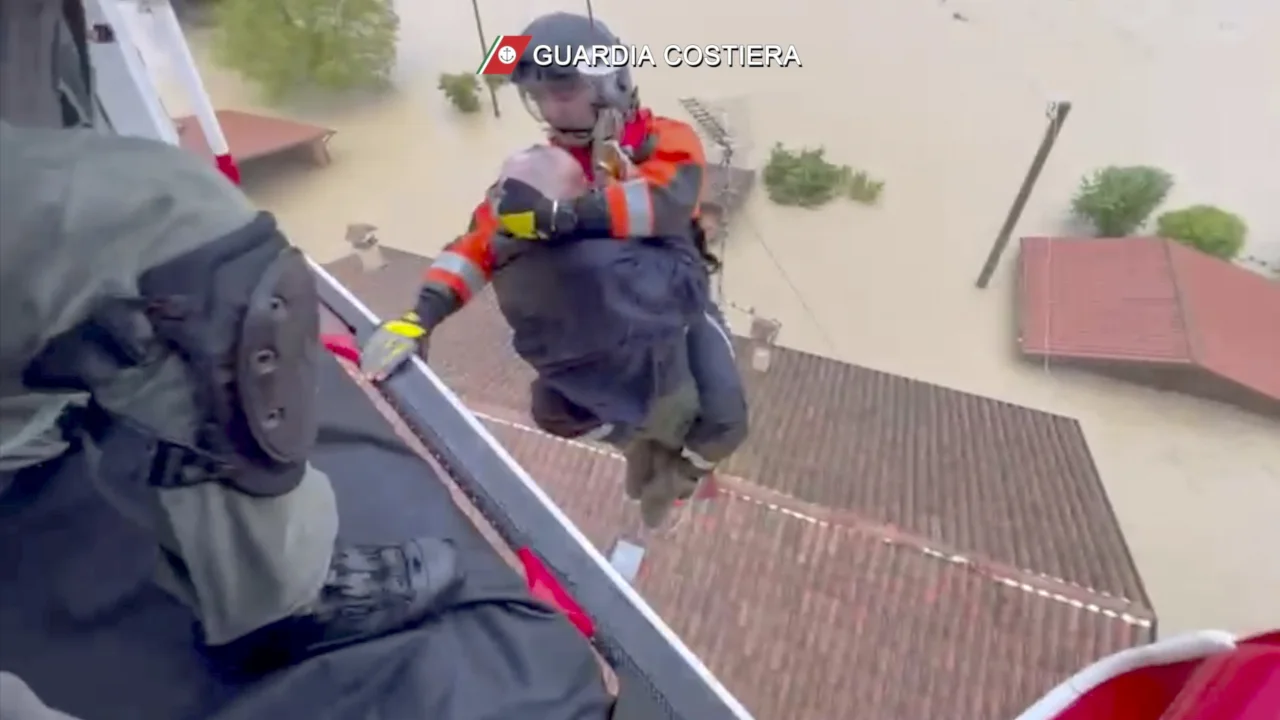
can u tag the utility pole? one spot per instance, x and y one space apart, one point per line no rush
1057 114
484 50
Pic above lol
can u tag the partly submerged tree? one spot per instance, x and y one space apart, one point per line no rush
1117 201
1209 229
805 178
462 89
865 189
286 46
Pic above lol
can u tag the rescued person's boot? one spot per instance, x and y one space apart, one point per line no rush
372 590
673 480
639 456
654 508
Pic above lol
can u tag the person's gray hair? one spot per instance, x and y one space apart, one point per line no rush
551 170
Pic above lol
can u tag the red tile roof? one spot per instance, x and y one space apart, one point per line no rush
250 135
881 543
1152 301
1235 317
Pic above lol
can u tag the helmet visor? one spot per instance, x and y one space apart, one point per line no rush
565 101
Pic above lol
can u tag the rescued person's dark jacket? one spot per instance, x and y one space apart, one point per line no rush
608 319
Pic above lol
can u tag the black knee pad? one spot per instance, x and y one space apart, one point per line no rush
243 312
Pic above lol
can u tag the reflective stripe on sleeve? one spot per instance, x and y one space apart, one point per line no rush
462 267
631 208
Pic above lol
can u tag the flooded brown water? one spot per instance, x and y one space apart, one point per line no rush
945 100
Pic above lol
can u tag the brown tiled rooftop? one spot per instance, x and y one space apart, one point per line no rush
881 543
805 613
1007 482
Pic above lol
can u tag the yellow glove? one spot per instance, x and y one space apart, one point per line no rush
391 345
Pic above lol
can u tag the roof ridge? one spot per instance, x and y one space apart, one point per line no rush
1059 589
1184 309
1055 589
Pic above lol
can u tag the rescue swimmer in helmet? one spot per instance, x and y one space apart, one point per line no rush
606 288
160 340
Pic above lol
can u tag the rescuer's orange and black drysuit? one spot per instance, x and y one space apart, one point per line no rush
618 315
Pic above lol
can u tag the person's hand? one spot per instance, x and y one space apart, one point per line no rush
523 211
613 161
391 345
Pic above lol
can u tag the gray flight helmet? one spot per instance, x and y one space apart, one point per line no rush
568 33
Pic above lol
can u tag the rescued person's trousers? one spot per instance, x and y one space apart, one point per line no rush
656 474
723 419
705 414
660 473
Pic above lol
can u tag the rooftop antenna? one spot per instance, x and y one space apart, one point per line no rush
725 197
715 130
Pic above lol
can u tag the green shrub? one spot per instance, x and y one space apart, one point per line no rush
864 189
463 90
1117 201
497 82
1210 230
804 178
